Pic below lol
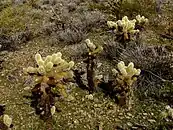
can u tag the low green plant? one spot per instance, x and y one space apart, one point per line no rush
14 19
130 8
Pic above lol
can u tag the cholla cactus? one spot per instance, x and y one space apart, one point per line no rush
125 77
141 20
51 76
51 65
126 73
93 48
124 26
53 69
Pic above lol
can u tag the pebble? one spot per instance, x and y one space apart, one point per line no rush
129 124
129 114
83 99
69 114
95 105
128 117
135 128
145 114
84 113
152 114
151 120
99 65
121 117
120 114
96 100
76 121
27 88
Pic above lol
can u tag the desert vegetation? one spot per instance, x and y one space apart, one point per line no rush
86 64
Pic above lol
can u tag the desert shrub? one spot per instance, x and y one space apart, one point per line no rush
130 8
13 42
6 43
73 25
71 36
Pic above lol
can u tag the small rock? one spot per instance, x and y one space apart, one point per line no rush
84 113
129 114
121 117
152 114
89 116
135 128
27 88
88 127
99 105
129 124
69 114
145 114
96 100
83 99
151 120
32 112
128 117
76 121
101 126
121 114
98 65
